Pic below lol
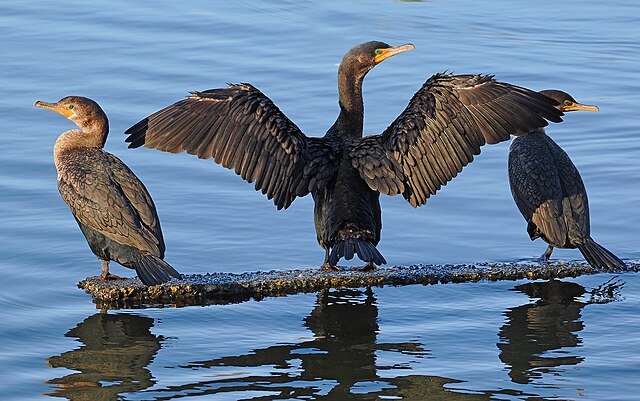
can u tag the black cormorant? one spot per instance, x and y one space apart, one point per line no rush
110 204
440 131
550 194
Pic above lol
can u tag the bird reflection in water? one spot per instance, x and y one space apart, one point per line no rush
116 350
342 362
536 338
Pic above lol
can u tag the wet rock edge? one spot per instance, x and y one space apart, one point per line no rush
223 288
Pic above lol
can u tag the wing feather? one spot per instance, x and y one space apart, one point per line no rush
105 195
444 126
576 211
536 188
241 129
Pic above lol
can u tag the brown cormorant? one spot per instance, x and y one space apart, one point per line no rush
110 204
550 194
440 131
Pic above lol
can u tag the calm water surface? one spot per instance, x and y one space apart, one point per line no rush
572 339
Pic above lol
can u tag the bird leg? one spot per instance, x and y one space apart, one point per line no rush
326 266
105 272
546 255
368 267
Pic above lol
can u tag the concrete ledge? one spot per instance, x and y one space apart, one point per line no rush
220 288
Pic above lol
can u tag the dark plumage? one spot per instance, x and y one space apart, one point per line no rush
440 131
550 194
110 204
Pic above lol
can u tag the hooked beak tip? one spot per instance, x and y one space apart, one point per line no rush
392 51
586 107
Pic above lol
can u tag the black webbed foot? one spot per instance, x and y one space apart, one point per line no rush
370 266
327 267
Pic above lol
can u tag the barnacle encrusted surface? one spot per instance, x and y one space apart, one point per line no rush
216 288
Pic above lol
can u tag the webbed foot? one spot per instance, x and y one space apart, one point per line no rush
544 258
326 267
109 276
370 266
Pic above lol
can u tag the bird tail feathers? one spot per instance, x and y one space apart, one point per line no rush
347 247
597 256
152 270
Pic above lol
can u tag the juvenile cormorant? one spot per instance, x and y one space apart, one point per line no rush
110 204
442 128
550 194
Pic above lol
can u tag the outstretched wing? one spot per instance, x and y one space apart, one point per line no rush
442 128
536 188
103 194
240 128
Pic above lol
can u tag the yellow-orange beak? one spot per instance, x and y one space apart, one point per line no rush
54 107
579 106
383 54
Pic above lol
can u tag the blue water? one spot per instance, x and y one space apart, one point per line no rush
473 341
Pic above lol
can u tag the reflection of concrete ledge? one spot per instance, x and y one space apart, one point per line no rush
230 288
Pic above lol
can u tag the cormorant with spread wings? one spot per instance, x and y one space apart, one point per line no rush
440 131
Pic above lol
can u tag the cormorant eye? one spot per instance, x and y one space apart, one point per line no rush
567 102
71 106
378 51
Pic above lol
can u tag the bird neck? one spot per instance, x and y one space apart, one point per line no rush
351 118
93 135
539 131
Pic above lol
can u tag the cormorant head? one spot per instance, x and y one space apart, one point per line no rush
363 57
84 112
567 103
